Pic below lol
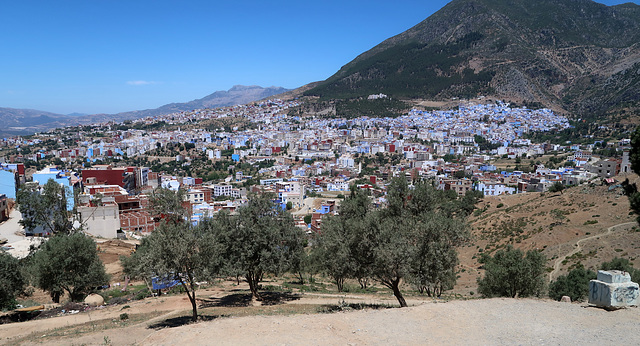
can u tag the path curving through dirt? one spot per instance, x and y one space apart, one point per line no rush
578 246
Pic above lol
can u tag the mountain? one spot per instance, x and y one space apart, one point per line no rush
574 55
21 121
27 121
238 95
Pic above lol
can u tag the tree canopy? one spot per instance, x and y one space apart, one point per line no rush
68 263
12 281
574 285
178 250
261 239
44 208
413 239
511 273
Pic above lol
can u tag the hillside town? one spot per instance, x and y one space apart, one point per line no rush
309 163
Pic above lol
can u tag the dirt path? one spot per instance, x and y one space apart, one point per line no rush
9 228
578 246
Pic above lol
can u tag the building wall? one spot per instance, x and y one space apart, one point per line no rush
8 184
102 221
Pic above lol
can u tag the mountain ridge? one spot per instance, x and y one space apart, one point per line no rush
27 121
577 55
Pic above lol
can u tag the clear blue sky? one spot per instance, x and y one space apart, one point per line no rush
108 56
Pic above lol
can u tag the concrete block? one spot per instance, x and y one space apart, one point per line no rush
613 276
618 293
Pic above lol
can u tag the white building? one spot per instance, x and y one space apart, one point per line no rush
222 190
346 161
494 188
101 221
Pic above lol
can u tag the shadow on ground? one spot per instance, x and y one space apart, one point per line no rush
244 299
329 308
181 321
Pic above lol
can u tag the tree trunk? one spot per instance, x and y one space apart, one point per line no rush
340 284
364 283
253 279
395 286
301 278
55 296
191 293
194 307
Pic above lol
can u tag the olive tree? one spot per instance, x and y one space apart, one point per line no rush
44 206
261 239
344 247
12 281
575 284
68 263
177 249
413 239
511 273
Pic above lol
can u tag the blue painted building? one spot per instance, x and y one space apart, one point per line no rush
7 183
62 178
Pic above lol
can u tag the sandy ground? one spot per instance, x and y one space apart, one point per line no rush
18 244
9 228
487 322
497 321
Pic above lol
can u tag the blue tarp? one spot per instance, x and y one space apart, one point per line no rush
162 283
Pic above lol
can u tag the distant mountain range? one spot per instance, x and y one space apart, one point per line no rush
28 121
575 55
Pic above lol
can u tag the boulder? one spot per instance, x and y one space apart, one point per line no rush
613 289
566 299
94 300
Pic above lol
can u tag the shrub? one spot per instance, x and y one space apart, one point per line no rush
556 187
511 273
500 205
575 284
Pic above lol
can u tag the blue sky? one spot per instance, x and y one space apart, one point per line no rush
109 56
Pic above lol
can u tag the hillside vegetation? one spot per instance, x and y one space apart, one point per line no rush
576 56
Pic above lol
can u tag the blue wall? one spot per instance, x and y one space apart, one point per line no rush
8 184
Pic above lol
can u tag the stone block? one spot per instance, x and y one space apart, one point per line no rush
613 290
613 276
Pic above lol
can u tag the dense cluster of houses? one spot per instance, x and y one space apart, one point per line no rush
311 155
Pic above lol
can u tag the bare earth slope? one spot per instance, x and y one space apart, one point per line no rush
486 322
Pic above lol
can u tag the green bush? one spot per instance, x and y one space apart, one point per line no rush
556 187
575 284
12 282
511 273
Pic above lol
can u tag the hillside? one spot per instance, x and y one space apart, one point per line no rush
27 121
19 121
237 95
586 224
575 55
